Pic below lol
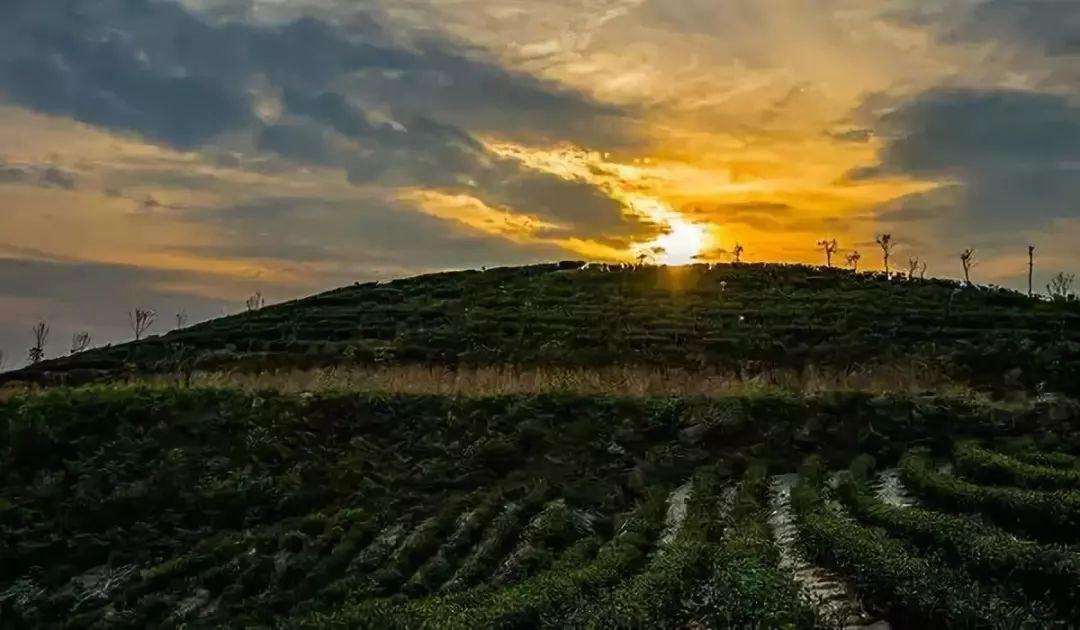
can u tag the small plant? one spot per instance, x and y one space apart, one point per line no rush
1060 287
141 320
737 253
80 341
255 302
967 259
829 246
1031 270
853 260
41 335
886 244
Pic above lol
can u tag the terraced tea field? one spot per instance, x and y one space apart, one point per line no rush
135 508
383 498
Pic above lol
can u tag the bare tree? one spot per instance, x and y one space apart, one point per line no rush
853 260
181 319
737 253
922 270
967 259
912 267
80 341
1031 270
41 335
255 302
141 320
886 244
829 246
1060 287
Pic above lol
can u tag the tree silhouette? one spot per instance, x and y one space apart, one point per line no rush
41 336
80 341
912 267
829 246
967 259
255 302
181 319
1031 270
1060 287
853 260
886 244
737 253
141 320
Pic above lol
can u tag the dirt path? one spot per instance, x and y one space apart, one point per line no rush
829 594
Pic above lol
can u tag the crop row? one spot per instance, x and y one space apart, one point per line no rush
1050 516
916 590
990 467
985 551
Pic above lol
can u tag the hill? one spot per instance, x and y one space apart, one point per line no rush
138 500
743 319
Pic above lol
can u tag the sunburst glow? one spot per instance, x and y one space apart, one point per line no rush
682 244
682 240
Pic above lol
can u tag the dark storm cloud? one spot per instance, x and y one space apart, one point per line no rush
1014 155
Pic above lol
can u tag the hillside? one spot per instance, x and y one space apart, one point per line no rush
133 509
743 318
133 499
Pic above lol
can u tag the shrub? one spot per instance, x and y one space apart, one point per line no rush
989 467
921 591
1043 515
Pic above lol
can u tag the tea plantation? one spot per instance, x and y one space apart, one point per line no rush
743 318
131 506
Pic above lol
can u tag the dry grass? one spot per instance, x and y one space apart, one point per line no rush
623 381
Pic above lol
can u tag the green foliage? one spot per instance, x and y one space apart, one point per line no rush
1051 516
919 591
986 466
990 554
745 317
743 587
130 507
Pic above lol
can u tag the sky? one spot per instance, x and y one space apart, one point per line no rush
181 155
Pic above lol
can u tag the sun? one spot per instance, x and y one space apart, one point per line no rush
683 242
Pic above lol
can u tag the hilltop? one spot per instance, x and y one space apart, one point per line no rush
743 319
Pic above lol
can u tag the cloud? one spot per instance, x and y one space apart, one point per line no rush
421 151
387 113
44 176
1014 155
1051 25
155 68
356 238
